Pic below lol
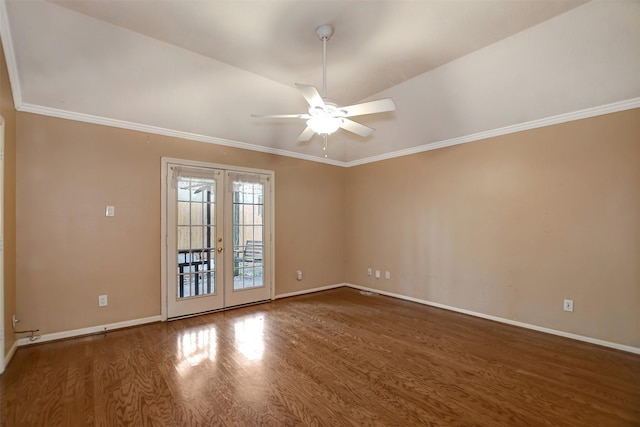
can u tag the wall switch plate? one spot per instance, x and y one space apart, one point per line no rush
111 211
102 301
377 274
568 305
369 272
387 275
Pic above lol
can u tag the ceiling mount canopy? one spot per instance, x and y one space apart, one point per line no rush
324 117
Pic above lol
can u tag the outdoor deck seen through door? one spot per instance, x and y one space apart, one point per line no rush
217 239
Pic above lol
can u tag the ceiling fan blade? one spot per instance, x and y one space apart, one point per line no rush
371 107
281 116
356 128
311 94
306 134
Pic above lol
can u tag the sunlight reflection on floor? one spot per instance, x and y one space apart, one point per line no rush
194 346
250 337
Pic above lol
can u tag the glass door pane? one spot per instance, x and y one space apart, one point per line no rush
195 275
248 212
248 235
196 237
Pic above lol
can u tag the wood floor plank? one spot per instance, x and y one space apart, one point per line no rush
335 358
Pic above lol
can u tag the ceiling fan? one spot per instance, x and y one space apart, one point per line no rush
324 116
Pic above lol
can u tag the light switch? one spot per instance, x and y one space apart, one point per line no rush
111 210
102 301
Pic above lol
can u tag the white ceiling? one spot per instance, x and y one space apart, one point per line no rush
200 68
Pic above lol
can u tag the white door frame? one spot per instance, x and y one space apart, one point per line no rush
165 161
2 325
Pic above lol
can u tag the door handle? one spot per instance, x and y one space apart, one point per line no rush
220 250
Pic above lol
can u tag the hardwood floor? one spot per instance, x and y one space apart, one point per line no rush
332 358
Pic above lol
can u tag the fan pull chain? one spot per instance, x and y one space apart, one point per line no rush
325 146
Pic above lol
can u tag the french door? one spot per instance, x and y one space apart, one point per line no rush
218 238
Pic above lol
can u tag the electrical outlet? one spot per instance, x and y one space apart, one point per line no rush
568 305
369 272
102 301
377 274
387 275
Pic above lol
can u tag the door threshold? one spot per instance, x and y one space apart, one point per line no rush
201 313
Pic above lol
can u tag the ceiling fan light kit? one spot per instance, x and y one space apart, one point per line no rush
324 117
324 125
327 120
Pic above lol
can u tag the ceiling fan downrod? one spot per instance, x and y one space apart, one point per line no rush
324 32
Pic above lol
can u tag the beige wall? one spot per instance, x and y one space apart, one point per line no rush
510 226
7 110
69 252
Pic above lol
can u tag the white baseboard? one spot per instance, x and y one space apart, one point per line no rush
309 291
152 319
129 323
590 340
89 331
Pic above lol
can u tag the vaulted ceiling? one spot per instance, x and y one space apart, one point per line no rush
457 70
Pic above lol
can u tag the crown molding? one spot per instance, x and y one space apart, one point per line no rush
10 55
122 124
534 124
